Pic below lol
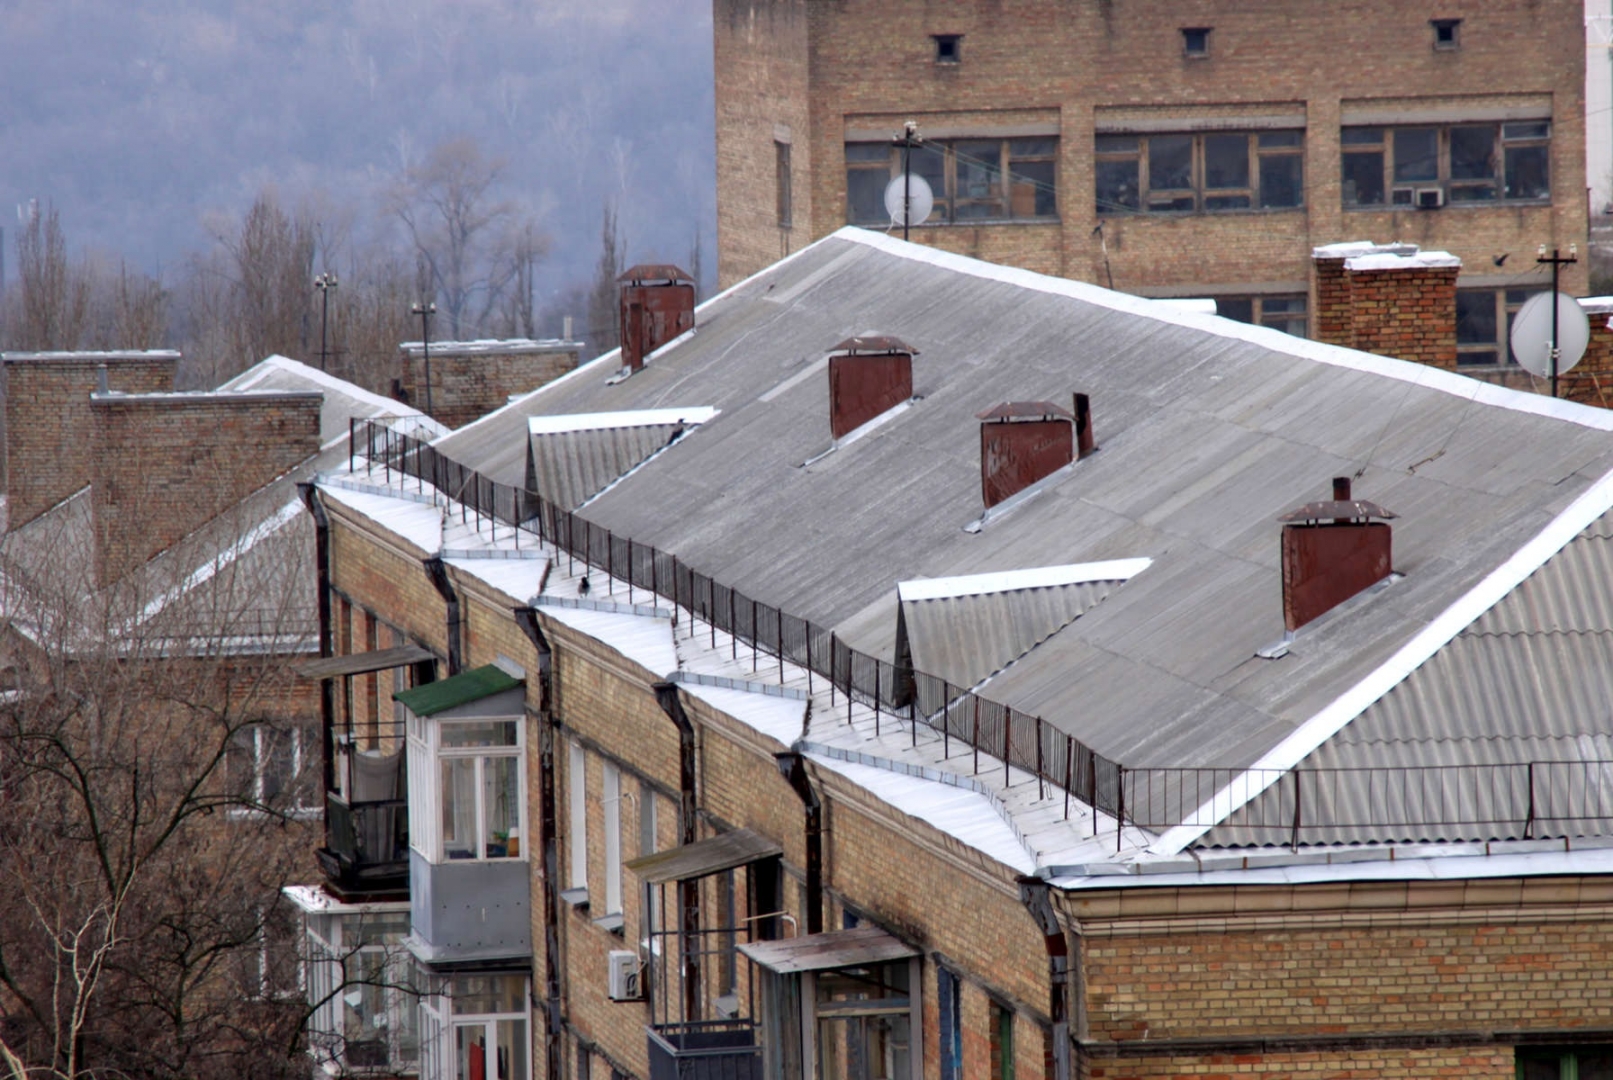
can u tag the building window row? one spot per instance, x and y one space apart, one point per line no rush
1428 166
1198 173
1285 313
972 180
1484 326
274 766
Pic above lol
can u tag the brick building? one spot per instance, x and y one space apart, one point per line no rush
469 379
1163 149
963 672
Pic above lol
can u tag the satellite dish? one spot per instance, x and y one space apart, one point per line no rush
1531 333
916 190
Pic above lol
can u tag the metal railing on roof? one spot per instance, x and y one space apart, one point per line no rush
1528 800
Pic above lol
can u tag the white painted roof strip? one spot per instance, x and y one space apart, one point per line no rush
1391 261
779 718
1400 370
519 579
1042 577
1595 502
556 425
645 641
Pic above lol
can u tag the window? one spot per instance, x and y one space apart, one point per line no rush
1002 1042
1429 165
1484 325
1196 41
1565 1063
865 1017
1208 171
781 159
951 1028
1285 313
274 766
480 768
577 841
611 800
361 987
948 48
981 179
1445 34
479 1032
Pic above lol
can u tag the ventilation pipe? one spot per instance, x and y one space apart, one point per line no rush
548 841
1331 551
868 376
792 766
666 696
657 304
1022 442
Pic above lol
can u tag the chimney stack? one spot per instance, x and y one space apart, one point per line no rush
48 422
1389 299
1022 442
868 375
657 305
1330 552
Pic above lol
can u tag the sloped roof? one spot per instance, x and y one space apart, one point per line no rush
1209 430
461 689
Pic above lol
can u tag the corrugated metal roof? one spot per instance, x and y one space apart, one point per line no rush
1530 680
824 952
1209 430
964 639
571 467
710 856
461 689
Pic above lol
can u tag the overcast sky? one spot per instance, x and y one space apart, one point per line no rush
137 118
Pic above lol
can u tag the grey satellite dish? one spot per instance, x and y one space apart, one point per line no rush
916 191
1531 333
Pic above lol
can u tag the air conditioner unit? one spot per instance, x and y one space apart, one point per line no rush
1430 198
625 972
1402 196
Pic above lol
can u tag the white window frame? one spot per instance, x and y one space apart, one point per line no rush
439 1026
426 797
324 977
611 803
577 800
305 754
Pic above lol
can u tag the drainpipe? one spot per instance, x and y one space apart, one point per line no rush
1036 895
793 767
527 619
327 634
439 578
666 696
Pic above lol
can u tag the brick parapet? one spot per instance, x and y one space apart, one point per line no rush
168 463
1407 313
48 419
468 382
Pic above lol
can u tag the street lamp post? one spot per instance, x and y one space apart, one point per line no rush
426 310
326 284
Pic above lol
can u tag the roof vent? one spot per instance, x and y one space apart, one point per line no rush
657 306
1022 442
1331 552
868 375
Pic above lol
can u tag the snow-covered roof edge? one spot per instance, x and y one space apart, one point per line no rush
1040 577
1308 736
563 422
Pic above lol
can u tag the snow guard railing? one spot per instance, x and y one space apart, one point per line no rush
1290 807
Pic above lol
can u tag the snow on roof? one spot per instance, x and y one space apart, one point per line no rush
1197 305
556 425
779 718
420 523
1392 261
643 639
1351 248
1008 580
519 579
495 346
1596 305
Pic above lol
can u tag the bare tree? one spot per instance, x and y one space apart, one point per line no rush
604 330
468 238
51 303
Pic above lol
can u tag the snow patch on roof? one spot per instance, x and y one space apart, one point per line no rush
1389 261
1042 577
644 640
556 425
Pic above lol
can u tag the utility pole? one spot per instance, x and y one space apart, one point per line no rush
426 309
1556 261
908 139
326 284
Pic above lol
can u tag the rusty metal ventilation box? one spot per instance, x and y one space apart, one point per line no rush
657 306
867 376
1331 551
1022 442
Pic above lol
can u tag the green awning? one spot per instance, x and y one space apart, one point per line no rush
461 689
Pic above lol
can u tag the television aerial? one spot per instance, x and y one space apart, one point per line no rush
909 200
1534 328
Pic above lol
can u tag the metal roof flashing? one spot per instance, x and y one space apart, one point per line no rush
1020 498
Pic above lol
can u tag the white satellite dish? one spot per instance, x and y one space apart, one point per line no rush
914 190
1531 333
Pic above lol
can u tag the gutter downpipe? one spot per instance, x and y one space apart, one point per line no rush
666 696
439 578
1036 895
327 635
527 619
792 764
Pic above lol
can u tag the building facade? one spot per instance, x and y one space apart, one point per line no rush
878 709
1162 149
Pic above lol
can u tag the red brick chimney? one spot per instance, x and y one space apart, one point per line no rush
1330 552
657 306
166 464
868 375
1022 442
48 423
1389 299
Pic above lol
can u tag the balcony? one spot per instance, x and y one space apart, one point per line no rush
366 845
705 1050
